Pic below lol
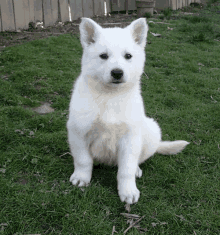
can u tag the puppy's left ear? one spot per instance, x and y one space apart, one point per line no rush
139 29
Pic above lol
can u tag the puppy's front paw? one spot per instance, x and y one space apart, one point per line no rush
128 192
80 180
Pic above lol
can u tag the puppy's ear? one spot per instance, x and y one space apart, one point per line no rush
139 29
89 32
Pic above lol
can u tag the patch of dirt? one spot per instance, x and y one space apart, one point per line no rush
43 109
21 36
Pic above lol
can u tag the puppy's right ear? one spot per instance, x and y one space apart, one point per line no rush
139 29
89 31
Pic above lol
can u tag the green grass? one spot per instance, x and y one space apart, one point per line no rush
179 194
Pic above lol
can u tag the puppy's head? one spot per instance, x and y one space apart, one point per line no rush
113 57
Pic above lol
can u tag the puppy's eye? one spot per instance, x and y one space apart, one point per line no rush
128 56
104 56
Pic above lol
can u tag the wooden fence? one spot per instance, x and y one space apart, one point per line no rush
174 4
16 14
122 5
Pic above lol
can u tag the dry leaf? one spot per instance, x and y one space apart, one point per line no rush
133 224
163 223
31 133
130 216
2 170
156 34
181 217
113 230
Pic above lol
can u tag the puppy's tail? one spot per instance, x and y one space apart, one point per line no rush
171 147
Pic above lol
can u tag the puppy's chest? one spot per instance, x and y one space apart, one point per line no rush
103 139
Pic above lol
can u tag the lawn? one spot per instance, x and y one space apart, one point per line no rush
181 89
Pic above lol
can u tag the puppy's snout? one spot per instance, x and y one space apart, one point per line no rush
117 75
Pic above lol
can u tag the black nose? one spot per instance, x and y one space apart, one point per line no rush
117 75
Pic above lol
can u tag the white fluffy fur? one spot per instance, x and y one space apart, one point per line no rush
107 121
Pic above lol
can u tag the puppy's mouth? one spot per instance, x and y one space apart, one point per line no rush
117 82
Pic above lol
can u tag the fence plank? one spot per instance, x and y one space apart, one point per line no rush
26 13
22 14
161 4
173 4
31 10
54 10
64 11
99 7
108 6
47 14
184 3
76 9
118 5
38 16
131 5
7 15
0 20
72 9
88 8
19 14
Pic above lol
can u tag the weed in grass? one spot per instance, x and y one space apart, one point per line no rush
217 36
199 37
213 1
147 15
167 12
196 19
185 28
198 29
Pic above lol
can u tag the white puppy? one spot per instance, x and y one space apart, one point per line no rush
107 119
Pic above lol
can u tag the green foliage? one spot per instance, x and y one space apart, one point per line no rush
147 15
200 37
210 2
167 12
161 17
197 19
213 1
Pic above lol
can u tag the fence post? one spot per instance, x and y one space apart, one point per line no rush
64 11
